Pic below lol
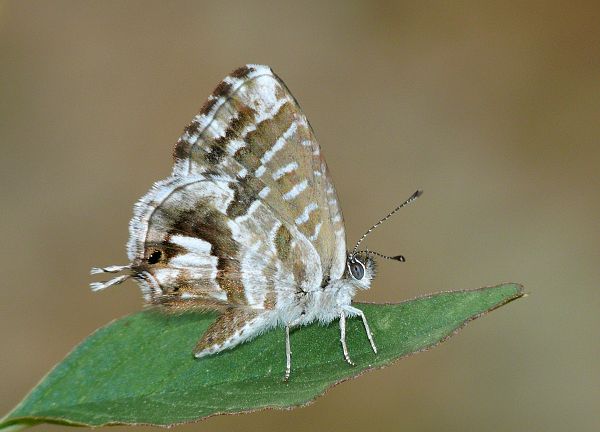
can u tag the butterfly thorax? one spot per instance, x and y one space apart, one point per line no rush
324 305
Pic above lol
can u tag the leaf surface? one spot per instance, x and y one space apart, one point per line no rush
140 369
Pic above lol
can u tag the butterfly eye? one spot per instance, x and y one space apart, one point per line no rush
154 257
357 269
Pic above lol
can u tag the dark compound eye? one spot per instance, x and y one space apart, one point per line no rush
357 269
154 257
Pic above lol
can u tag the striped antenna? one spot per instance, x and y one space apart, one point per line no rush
395 258
413 197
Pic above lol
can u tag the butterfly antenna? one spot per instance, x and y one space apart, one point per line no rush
395 258
413 197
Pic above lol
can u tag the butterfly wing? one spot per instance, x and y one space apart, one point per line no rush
249 214
253 130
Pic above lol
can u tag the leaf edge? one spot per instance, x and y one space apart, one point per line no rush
6 422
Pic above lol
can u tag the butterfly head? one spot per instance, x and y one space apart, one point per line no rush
360 265
360 269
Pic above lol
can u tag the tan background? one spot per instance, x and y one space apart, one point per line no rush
493 109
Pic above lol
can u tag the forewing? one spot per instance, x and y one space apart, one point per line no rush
252 133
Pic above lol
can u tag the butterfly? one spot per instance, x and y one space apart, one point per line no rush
248 224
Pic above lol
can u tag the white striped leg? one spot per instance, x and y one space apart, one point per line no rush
355 311
343 337
288 354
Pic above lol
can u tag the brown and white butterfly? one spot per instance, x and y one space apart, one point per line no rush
248 224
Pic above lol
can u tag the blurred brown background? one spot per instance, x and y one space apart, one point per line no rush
493 108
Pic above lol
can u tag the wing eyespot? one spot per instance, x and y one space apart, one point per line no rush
154 257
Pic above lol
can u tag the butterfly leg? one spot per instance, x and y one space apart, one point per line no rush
288 349
352 311
288 354
343 337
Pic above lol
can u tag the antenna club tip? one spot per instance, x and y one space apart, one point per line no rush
413 197
399 258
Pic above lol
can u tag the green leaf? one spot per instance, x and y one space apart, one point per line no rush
140 369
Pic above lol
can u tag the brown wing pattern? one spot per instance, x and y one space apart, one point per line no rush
252 133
